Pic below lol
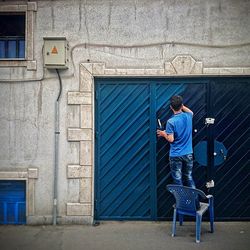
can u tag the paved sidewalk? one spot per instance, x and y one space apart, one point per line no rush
125 236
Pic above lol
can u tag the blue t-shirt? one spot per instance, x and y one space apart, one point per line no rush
181 126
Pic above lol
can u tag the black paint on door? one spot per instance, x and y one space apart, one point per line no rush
231 107
226 100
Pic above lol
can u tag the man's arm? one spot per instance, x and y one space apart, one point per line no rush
186 109
168 137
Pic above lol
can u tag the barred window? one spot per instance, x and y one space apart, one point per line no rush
12 35
17 34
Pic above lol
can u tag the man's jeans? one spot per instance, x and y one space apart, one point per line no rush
181 169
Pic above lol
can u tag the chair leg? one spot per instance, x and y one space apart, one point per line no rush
211 215
198 228
174 223
181 219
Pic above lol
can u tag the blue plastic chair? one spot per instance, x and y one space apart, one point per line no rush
187 203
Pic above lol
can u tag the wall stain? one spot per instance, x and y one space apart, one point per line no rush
80 15
135 9
40 98
220 8
85 19
167 22
86 24
52 15
110 12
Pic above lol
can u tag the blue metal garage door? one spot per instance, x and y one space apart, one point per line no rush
132 168
231 107
12 202
124 148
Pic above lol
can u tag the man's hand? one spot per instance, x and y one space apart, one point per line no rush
186 109
161 133
169 138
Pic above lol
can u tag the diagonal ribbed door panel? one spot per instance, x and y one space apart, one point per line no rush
123 147
132 165
194 95
232 128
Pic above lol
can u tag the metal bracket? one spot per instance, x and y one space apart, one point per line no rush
210 184
209 121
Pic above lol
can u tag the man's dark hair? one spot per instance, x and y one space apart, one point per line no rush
176 102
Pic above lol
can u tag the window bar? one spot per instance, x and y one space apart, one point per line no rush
17 48
17 42
6 45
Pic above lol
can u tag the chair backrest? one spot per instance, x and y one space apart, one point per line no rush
186 197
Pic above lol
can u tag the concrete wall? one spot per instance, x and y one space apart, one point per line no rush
112 37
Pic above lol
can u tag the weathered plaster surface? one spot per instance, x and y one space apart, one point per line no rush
107 38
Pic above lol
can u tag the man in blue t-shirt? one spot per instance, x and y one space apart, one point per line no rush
179 134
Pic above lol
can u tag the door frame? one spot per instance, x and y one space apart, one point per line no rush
209 81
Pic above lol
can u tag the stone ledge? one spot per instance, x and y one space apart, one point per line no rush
86 79
231 71
130 71
14 175
226 71
86 153
31 65
13 7
109 71
77 98
87 66
180 65
169 69
86 190
31 196
33 173
78 209
78 171
197 69
79 134
86 116
98 68
134 72
246 71
40 220
75 220
124 71
32 6
154 71
192 68
211 71
62 220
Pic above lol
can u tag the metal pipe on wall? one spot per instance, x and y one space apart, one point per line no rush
57 132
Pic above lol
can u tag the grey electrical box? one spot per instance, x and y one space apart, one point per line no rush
55 52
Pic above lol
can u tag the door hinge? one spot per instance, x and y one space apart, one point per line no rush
96 134
95 206
96 95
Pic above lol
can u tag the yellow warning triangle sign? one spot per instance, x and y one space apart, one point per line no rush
54 50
